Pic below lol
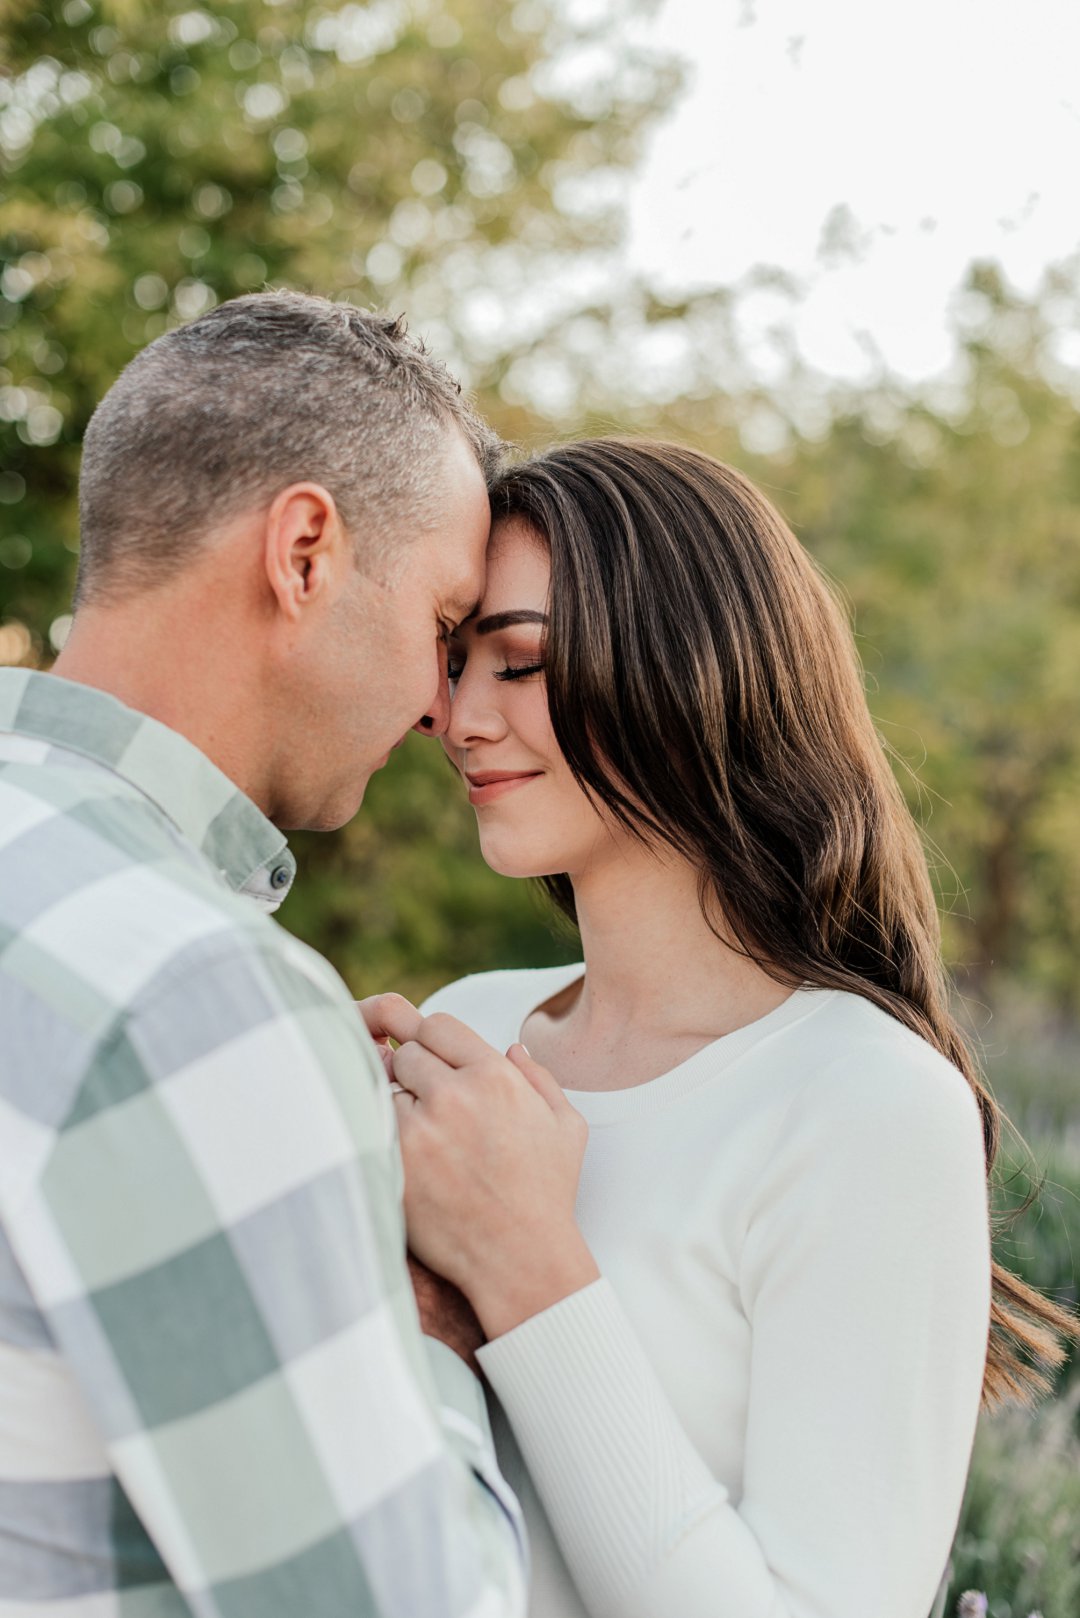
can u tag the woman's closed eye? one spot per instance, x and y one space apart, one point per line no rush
519 671
512 671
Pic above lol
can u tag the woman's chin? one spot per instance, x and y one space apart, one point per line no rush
517 861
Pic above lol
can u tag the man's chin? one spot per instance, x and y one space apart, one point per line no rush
329 816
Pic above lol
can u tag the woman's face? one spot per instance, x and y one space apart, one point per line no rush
534 819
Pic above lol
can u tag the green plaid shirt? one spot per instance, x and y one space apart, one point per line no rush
214 1393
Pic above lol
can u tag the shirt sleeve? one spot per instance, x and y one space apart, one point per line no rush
217 1243
865 1280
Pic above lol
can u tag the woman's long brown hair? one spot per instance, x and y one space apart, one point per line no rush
704 689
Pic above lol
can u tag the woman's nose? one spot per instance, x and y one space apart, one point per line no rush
473 717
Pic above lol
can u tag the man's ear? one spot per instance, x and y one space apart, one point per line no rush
306 551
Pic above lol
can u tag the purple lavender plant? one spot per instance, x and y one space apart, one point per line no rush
973 1604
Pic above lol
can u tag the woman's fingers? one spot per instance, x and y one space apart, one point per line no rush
457 1044
541 1080
420 1071
432 1048
492 1153
404 1102
391 1016
443 1049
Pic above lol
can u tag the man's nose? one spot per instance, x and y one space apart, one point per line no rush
435 721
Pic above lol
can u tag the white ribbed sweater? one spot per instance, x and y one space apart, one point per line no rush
765 1408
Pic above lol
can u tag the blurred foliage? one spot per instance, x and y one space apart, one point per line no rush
158 158
953 523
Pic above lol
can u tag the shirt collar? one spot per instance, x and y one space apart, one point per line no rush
200 800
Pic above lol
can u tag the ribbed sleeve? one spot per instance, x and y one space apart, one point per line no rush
623 1485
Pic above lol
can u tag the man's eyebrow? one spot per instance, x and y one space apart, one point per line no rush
507 620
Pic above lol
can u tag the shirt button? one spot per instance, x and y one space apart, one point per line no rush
279 876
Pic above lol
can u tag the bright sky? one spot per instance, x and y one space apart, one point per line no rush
948 130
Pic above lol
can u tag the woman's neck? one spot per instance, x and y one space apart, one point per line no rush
659 984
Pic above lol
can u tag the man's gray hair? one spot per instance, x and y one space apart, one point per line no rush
215 417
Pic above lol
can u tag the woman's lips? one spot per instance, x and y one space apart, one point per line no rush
487 785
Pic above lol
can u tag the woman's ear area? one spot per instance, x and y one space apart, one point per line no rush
307 552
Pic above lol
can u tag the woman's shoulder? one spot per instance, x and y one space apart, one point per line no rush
860 1065
507 995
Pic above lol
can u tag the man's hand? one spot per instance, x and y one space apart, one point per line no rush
446 1313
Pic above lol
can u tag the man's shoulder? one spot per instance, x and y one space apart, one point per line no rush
63 812
97 886
124 955
111 950
230 1009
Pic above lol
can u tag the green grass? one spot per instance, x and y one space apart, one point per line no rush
1019 1535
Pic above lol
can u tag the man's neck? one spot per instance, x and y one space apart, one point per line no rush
154 658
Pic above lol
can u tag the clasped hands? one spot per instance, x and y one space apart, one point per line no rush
492 1152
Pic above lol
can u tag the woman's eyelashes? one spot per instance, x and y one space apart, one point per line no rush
518 671
455 668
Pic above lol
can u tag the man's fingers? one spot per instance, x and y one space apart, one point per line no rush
390 1016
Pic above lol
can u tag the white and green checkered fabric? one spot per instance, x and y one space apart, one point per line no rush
214 1394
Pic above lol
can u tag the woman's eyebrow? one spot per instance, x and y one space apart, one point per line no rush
507 620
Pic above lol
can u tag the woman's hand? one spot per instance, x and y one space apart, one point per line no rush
492 1152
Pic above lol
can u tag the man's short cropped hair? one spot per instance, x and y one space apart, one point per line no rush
215 417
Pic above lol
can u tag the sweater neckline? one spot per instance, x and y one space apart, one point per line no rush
600 1107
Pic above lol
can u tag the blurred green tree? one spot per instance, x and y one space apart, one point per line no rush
954 525
157 158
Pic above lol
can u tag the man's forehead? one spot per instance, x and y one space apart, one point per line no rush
461 585
461 593
460 610
457 546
